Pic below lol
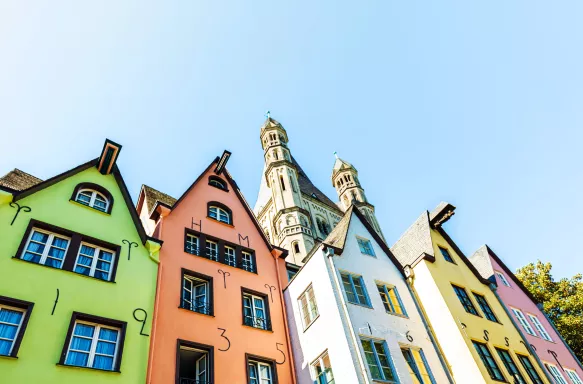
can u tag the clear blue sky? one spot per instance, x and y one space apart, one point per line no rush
476 103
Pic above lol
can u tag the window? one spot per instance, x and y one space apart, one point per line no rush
465 300
260 371
554 371
446 255
503 279
391 299
323 226
191 245
196 292
93 199
522 320
485 307
511 367
46 248
365 246
247 261
539 327
308 307
230 257
14 315
355 290
255 311
296 247
282 183
377 358
529 368
195 363
220 212
94 261
94 342
217 182
488 361
212 250
573 376
322 370
418 367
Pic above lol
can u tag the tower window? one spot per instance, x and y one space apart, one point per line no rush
296 247
282 183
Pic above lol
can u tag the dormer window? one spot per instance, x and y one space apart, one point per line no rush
217 182
93 196
220 212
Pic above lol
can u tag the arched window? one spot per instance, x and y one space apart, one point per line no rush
217 182
220 212
94 196
296 247
323 226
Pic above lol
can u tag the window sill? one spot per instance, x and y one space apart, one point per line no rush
397 315
259 329
87 368
221 222
361 305
61 269
198 313
8 357
312 322
88 207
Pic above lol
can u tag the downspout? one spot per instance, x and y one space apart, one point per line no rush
428 327
526 343
560 336
345 316
285 325
155 315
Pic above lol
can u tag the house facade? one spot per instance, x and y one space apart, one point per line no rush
352 318
480 341
77 277
219 314
544 340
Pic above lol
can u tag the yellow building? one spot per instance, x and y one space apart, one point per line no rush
477 336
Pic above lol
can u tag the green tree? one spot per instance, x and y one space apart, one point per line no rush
562 300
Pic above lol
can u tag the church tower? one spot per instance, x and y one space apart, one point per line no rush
349 190
293 213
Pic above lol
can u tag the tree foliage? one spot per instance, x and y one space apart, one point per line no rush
562 300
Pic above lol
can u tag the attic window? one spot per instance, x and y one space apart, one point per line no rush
93 196
314 195
217 182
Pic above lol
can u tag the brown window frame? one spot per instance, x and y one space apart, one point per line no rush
211 292
223 207
220 181
95 187
73 251
122 325
27 306
191 344
263 360
267 309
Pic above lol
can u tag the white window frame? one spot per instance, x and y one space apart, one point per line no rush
319 362
539 327
556 374
94 341
195 282
219 212
194 243
230 258
265 317
48 246
93 197
523 321
364 245
503 278
311 307
573 376
94 260
259 379
250 266
18 327
212 252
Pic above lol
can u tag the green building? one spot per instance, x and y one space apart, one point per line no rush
77 277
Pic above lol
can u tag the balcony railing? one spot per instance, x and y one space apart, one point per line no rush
257 322
199 306
185 380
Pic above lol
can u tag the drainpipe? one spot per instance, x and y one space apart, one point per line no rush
285 325
560 336
526 343
336 287
154 317
428 327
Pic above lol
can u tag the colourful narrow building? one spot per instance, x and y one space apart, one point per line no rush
475 331
77 277
219 315
540 332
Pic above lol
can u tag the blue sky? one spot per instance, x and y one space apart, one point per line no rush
475 103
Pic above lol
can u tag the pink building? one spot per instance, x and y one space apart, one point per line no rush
544 340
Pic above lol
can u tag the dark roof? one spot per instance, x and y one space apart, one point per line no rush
308 188
337 238
19 180
153 195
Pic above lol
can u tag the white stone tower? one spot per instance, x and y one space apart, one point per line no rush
345 180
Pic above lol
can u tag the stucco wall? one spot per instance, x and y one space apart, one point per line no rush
134 286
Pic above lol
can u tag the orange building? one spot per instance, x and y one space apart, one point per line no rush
219 316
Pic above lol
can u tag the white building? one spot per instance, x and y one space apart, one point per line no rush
352 317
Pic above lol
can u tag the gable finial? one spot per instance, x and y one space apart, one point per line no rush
222 162
268 114
108 157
